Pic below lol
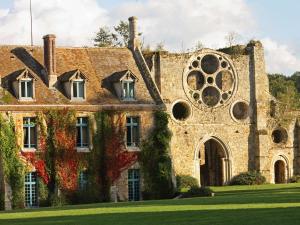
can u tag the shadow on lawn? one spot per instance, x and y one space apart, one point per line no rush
280 195
275 216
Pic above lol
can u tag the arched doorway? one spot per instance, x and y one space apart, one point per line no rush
279 172
214 164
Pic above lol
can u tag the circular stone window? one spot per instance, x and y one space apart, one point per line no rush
181 110
240 110
279 135
209 79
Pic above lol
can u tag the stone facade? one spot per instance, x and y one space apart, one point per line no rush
218 101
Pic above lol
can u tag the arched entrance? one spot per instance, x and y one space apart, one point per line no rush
279 172
214 163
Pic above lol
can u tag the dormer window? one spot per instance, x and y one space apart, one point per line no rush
128 90
74 83
26 89
123 83
24 85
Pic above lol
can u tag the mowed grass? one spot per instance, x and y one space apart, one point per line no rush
232 205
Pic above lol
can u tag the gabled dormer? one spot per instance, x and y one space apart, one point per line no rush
124 84
74 83
24 85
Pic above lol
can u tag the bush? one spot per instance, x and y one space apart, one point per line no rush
198 192
186 181
295 179
248 178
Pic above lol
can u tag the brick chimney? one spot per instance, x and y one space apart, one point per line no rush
50 59
134 41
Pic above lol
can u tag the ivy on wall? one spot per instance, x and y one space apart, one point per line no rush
13 168
156 162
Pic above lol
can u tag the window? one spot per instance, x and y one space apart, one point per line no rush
128 90
132 125
26 89
133 185
30 190
82 180
82 132
78 89
29 132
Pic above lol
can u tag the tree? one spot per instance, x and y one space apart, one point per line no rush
199 45
118 38
232 38
160 46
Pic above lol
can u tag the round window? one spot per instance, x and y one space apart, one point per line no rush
181 110
279 135
240 110
209 79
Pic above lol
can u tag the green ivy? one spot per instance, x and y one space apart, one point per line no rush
155 160
13 169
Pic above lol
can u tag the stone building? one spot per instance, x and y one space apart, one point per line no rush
221 113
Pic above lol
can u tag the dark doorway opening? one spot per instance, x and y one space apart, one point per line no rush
279 170
212 164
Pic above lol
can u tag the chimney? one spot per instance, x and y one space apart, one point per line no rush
50 59
133 33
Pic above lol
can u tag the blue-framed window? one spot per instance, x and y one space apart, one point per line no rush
132 131
82 132
133 185
128 90
29 131
82 180
31 199
26 89
78 89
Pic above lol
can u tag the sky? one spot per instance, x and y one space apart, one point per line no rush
178 24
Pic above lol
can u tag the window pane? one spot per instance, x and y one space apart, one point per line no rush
131 89
135 135
29 89
81 89
135 120
75 95
32 137
23 93
25 132
78 137
85 136
129 143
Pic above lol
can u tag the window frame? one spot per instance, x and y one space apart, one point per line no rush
77 82
26 81
82 146
28 126
31 190
133 144
134 184
126 95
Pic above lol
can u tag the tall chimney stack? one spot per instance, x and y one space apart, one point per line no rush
50 59
133 33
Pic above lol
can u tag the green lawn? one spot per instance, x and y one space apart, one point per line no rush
234 205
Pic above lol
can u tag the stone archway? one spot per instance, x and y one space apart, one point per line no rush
214 163
279 172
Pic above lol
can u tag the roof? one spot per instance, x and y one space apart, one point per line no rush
94 63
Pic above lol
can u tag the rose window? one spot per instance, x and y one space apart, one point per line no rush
209 80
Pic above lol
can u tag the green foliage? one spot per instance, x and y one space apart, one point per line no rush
195 191
295 179
248 178
42 193
186 181
156 162
285 89
13 168
118 38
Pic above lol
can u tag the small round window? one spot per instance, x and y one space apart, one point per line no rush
240 110
181 111
279 135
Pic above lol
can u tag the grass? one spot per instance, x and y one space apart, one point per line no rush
234 205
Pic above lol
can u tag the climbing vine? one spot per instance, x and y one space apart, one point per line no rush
156 162
13 168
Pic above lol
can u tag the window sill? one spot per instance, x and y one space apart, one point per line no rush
26 99
77 99
28 149
83 149
133 148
